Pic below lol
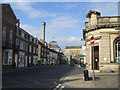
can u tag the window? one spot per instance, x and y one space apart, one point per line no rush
117 51
17 32
4 33
17 41
30 48
30 38
36 50
30 59
26 47
33 49
22 34
5 60
34 40
26 36
22 45
11 36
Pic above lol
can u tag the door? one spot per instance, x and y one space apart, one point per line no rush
96 58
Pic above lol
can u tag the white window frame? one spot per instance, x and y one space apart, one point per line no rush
30 59
30 48
30 38
33 49
4 33
9 59
22 34
117 44
11 36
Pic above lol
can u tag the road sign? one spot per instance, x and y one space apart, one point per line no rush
92 40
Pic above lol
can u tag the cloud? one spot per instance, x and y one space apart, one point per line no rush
31 30
67 6
30 11
59 0
70 41
73 39
106 8
64 30
63 22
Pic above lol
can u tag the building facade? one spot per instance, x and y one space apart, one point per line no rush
42 52
9 21
106 31
18 46
75 52
48 55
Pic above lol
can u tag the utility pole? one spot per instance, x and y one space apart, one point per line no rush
92 42
93 65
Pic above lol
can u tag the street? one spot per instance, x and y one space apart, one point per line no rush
38 77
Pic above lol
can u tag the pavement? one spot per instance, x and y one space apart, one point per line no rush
102 80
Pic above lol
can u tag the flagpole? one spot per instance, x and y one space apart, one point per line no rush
93 62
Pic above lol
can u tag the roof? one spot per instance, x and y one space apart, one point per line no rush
53 44
73 47
92 11
9 10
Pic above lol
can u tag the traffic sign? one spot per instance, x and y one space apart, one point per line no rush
92 40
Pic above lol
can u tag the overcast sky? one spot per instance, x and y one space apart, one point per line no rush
64 20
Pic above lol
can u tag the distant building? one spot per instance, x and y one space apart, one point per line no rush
106 31
75 52
61 57
55 46
43 52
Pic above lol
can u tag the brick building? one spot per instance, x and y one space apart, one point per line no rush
17 45
9 21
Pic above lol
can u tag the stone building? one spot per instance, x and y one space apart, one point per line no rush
75 52
55 46
106 31
61 57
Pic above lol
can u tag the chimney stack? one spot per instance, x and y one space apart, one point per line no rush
18 23
43 31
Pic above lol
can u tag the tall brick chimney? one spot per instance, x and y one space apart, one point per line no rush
43 31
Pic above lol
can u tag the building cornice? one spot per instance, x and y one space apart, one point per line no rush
99 26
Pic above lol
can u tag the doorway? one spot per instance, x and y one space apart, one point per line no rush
96 58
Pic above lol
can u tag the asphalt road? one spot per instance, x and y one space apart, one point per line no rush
38 77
